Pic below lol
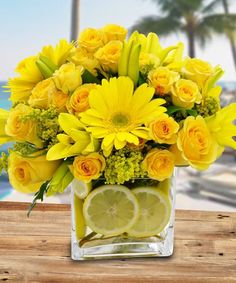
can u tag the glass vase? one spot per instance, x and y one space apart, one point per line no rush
87 244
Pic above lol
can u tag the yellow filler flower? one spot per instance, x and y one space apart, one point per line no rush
118 114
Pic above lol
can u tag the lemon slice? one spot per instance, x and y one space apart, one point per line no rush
81 189
80 226
111 210
155 211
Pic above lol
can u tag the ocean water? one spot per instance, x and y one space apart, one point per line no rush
5 187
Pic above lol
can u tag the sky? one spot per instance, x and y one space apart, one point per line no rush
27 25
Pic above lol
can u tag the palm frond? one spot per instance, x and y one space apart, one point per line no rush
219 23
161 26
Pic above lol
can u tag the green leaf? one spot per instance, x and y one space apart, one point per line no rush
172 109
38 196
87 77
43 68
192 112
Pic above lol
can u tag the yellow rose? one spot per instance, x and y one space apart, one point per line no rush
85 59
108 56
196 143
89 167
197 70
91 39
20 129
185 93
159 164
164 129
26 175
45 94
68 77
162 79
179 160
79 100
4 138
115 32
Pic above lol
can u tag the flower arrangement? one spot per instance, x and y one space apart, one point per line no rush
113 108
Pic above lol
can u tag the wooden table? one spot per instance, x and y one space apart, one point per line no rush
38 250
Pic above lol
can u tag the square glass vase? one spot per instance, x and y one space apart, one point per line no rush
94 205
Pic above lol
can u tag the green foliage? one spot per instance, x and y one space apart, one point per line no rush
38 196
124 165
208 107
3 162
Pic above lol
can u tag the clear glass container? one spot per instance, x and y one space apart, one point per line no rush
86 244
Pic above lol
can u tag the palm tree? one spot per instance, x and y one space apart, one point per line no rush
195 18
230 33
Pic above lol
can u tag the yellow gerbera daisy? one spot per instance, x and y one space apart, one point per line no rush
117 114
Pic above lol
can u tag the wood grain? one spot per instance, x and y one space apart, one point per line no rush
38 250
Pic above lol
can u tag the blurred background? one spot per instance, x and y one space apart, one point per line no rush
207 27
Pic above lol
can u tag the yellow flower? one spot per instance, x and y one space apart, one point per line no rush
45 94
91 39
108 56
198 71
79 100
85 59
74 141
162 79
20 129
185 93
60 53
115 32
164 129
198 146
174 59
27 174
89 167
68 77
222 127
21 87
179 160
4 138
117 115
147 62
159 164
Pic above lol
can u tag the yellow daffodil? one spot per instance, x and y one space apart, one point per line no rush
74 141
221 126
117 114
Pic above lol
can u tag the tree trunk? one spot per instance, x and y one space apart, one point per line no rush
230 33
74 20
191 44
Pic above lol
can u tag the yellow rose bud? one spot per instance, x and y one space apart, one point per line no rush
86 59
198 71
79 100
68 77
185 93
89 167
159 164
115 32
91 39
162 79
20 129
27 174
108 56
196 143
164 129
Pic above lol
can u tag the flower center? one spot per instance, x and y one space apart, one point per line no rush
120 120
